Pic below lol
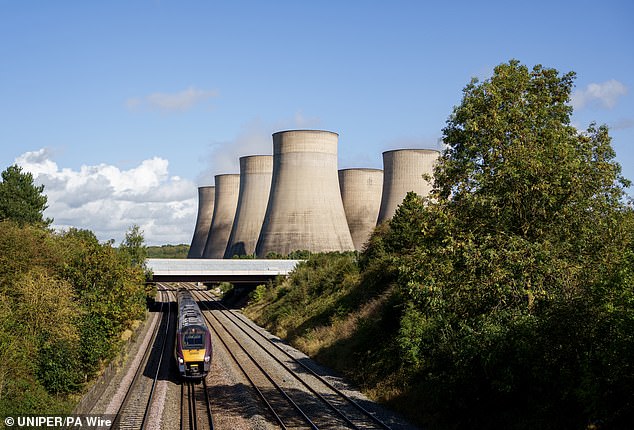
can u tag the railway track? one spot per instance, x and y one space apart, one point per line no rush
295 395
134 409
194 399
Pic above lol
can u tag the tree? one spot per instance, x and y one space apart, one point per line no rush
515 163
65 300
20 199
133 246
519 264
406 223
109 289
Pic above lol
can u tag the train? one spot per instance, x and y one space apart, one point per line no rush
192 348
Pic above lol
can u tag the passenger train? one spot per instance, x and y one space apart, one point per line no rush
192 348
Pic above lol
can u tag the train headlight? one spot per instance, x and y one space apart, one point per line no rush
180 360
207 358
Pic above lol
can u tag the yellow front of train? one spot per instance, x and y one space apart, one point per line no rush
193 352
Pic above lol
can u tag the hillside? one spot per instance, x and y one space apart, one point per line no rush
167 251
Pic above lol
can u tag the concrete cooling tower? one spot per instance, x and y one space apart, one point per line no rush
304 209
402 172
203 221
227 187
361 194
255 184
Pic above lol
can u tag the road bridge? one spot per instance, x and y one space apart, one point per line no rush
236 271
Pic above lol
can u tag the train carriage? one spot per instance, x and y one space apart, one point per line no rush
192 348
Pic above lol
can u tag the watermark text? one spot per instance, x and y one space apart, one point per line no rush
60 421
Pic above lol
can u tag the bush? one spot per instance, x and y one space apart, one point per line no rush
58 365
64 300
257 294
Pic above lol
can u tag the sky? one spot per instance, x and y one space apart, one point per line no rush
121 109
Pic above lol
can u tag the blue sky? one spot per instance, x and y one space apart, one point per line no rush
123 108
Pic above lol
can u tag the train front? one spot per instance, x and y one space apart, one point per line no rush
193 351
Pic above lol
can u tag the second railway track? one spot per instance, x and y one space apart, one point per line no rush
135 407
255 381
296 395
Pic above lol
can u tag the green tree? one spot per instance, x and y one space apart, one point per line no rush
109 289
47 314
20 199
65 299
515 163
407 223
134 247
510 272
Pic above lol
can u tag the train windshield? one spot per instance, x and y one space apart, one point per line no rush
194 339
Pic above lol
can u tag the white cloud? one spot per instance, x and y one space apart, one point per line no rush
107 200
172 102
604 94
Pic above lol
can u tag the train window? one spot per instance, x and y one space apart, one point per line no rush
193 341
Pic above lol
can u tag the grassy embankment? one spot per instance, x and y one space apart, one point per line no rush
566 363
340 315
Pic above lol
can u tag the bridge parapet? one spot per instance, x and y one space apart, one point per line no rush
236 271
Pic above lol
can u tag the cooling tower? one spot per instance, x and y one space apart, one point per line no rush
227 187
203 221
304 209
255 184
402 172
361 195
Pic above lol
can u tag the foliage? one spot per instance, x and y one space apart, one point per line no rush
300 254
406 225
503 300
133 246
58 362
225 288
514 163
64 301
511 273
167 251
20 199
48 313
109 287
313 287
244 257
258 293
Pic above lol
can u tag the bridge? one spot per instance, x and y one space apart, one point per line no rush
236 271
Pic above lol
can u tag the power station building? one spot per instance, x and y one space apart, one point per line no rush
255 183
203 221
305 210
403 171
361 195
298 200
225 203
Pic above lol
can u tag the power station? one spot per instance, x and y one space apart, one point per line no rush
296 199
361 195
255 183
225 203
203 221
304 211
403 171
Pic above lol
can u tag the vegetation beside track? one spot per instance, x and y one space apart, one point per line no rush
506 299
65 301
